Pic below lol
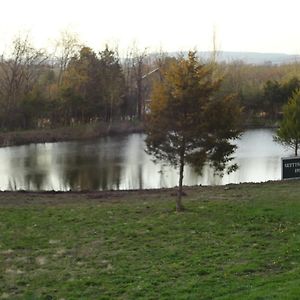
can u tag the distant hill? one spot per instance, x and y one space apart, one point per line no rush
256 57
250 57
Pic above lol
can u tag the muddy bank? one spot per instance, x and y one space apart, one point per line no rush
205 193
79 132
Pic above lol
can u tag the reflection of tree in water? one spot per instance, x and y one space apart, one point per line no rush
91 167
113 163
36 175
162 176
32 171
206 176
35 181
140 176
134 160
12 184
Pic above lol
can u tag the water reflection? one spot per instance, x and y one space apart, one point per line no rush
24 167
121 163
91 166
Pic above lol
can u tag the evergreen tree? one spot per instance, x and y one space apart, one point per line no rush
288 133
186 124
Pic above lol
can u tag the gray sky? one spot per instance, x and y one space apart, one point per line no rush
240 25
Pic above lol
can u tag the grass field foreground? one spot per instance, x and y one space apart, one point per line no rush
233 242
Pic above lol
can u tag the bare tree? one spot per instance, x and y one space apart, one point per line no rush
135 68
18 73
67 46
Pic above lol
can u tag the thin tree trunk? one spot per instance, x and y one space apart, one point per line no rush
296 148
179 206
111 111
139 99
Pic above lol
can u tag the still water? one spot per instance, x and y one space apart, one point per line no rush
121 163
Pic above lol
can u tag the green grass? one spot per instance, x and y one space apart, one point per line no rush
241 242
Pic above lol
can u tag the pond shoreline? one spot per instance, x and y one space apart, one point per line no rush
120 162
49 198
82 132
64 134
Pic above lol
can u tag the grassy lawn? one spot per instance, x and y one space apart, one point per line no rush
237 242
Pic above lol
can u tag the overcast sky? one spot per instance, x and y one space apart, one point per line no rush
240 25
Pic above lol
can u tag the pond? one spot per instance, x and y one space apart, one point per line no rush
121 163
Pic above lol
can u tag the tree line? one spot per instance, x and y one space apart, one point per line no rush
261 90
77 85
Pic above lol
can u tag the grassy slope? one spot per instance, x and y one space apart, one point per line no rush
241 242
